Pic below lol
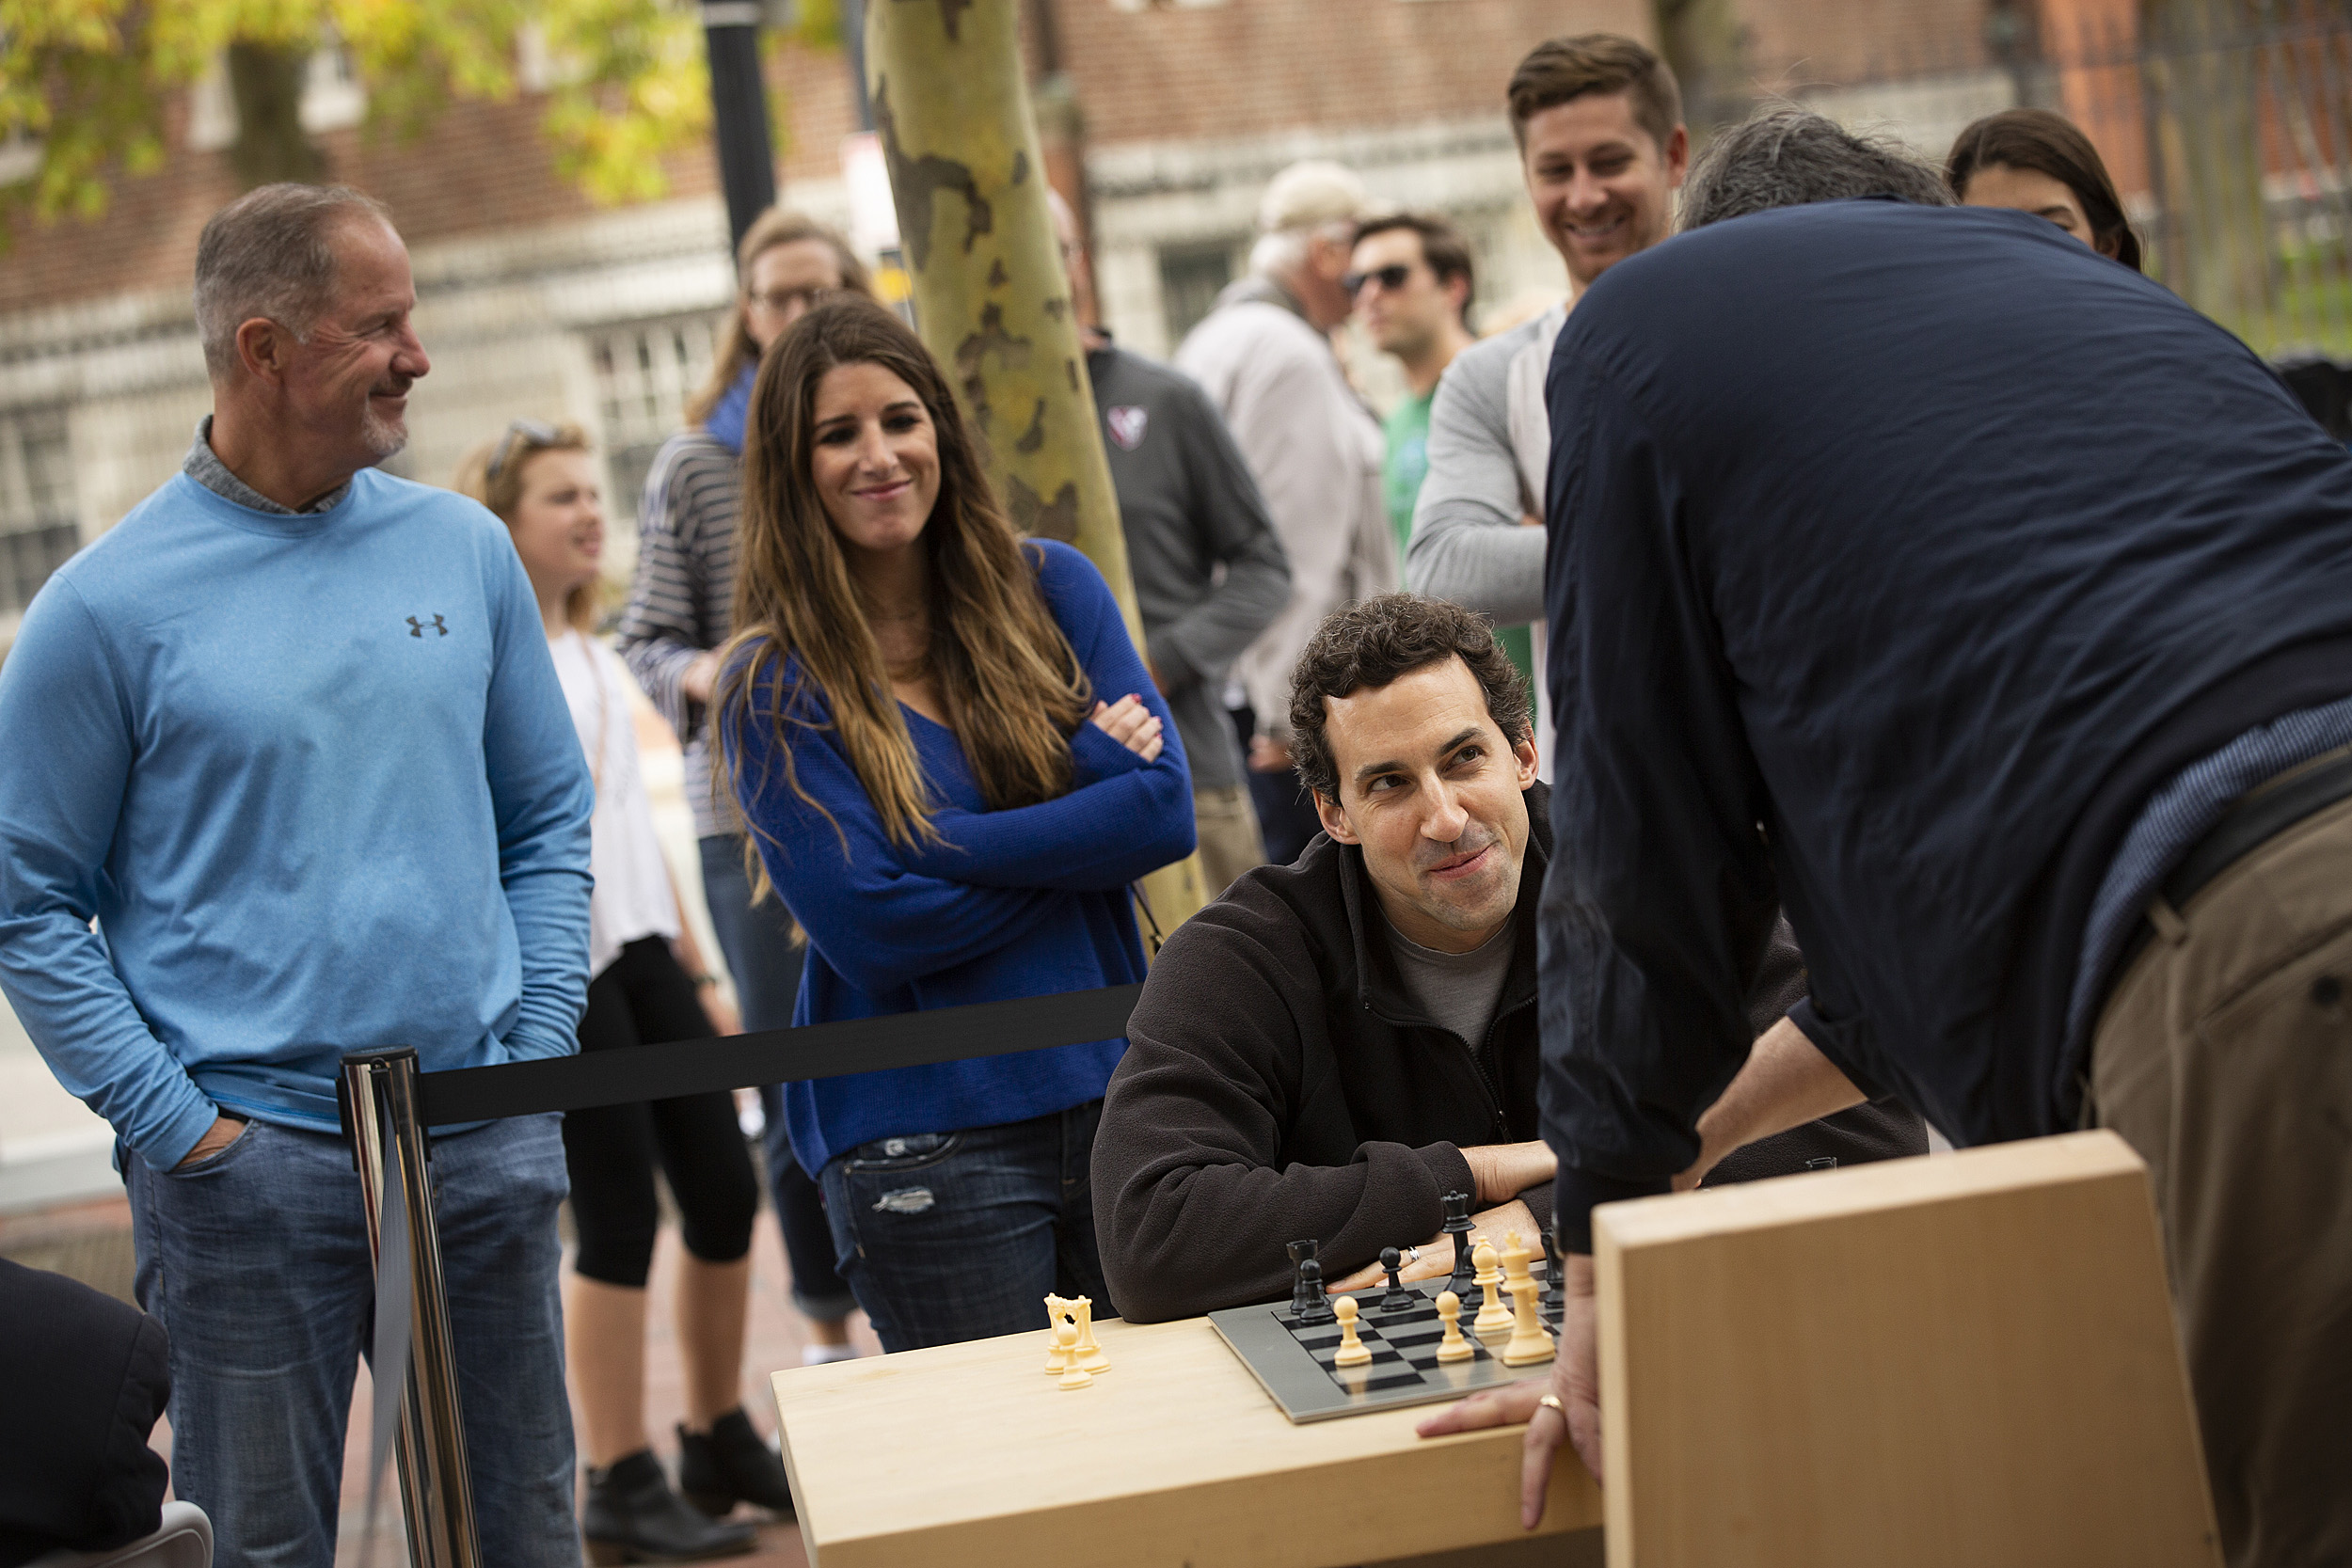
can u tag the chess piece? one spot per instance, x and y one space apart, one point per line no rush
1317 1310
1552 1267
1352 1350
1090 1355
1453 1347
1529 1342
1302 1254
1056 1357
1066 1340
1399 1299
1457 1225
1493 1316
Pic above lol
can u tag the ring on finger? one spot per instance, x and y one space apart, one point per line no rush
1552 1401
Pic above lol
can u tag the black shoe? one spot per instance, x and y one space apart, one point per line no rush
633 1516
729 1463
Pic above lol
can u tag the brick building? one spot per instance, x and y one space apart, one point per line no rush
534 303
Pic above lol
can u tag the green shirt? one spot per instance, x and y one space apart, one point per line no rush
1401 476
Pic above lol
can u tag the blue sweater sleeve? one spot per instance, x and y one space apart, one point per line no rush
542 800
1127 817
59 800
877 923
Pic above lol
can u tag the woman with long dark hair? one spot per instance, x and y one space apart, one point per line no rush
677 618
916 727
2033 160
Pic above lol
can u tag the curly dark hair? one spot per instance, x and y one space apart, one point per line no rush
1373 643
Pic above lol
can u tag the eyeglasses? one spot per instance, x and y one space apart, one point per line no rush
1389 279
780 301
533 434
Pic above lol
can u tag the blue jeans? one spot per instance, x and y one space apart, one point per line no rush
954 1236
757 942
255 1263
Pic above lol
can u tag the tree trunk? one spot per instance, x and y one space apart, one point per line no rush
2207 157
991 297
265 81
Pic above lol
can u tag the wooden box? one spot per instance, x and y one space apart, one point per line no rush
1965 1360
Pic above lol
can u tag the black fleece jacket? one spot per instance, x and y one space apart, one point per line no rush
1279 1083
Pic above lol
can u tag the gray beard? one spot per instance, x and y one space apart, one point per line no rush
383 437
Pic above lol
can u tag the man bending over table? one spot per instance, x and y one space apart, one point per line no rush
1336 1044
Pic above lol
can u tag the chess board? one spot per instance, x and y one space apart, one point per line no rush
1294 1364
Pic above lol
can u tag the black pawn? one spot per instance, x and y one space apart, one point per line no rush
1302 1253
1399 1299
1457 1225
1316 1309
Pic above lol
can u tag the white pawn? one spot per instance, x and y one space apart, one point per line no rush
1066 1341
1352 1350
1453 1347
1493 1316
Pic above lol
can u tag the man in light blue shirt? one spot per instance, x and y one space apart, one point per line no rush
290 736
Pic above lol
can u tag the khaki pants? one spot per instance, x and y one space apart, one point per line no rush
1229 841
2224 1057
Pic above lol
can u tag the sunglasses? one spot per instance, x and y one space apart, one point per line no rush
533 435
1389 279
780 301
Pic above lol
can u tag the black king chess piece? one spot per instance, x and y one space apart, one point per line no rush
1551 1295
1399 1298
1302 1253
1457 1225
1318 1308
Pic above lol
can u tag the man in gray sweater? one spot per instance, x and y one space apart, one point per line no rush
1598 120
1188 506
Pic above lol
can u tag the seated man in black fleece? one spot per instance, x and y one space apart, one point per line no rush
1337 1043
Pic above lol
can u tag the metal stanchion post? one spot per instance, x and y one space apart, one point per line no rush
389 1146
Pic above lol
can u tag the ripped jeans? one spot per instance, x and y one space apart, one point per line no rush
954 1236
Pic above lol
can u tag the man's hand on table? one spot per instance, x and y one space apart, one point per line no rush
1575 1381
1437 1253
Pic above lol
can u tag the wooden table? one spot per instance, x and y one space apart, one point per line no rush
971 1455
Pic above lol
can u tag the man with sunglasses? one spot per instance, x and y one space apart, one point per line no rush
1409 276
299 752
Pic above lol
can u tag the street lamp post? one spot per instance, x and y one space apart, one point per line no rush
738 106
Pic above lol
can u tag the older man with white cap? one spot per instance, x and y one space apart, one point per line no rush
1266 357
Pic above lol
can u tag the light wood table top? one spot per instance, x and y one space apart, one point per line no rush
971 1455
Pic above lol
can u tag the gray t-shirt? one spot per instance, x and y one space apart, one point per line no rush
1459 991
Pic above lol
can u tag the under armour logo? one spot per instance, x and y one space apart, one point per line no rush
416 628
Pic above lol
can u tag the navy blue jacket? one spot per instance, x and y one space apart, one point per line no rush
1897 554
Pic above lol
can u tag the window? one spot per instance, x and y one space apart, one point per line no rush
645 372
38 532
1190 277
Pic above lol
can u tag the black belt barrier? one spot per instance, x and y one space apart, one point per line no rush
774 1057
388 1105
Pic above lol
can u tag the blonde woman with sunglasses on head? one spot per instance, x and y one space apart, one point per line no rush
647 986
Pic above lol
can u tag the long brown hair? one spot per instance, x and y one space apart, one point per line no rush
1013 688
2046 143
738 347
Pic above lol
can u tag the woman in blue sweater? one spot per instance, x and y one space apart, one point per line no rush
913 721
